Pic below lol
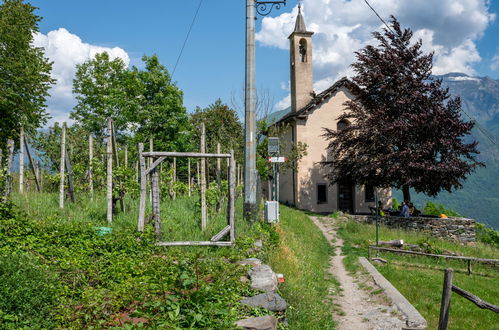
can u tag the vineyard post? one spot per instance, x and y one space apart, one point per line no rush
39 173
189 176
62 168
10 155
197 175
219 177
32 163
109 181
21 160
126 156
203 179
90 166
143 189
151 149
174 177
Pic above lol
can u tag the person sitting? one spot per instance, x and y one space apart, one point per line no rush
380 209
413 211
405 212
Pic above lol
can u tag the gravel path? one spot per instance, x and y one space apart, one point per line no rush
360 309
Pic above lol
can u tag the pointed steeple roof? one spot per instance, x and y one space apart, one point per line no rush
300 22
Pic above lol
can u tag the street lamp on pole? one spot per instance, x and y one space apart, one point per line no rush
250 174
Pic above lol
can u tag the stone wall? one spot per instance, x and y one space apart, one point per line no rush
455 229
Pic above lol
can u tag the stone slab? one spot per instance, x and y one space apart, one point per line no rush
271 301
414 319
263 278
267 322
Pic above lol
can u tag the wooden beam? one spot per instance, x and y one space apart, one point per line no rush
204 212
193 243
156 202
69 170
90 165
221 234
109 179
184 154
232 197
62 168
189 176
10 156
21 160
143 190
445 303
33 166
154 165
474 299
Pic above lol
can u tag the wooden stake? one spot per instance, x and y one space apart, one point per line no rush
219 166
33 167
445 304
62 168
90 165
232 197
10 156
189 176
151 149
174 177
109 181
126 156
21 160
197 175
143 189
156 202
39 173
203 179
69 170
117 160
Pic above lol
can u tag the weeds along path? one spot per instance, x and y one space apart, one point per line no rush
359 308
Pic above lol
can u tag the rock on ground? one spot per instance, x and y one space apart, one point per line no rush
263 278
258 323
270 301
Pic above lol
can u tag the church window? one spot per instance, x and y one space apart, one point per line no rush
369 193
303 50
321 193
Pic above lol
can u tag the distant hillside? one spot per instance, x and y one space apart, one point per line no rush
479 198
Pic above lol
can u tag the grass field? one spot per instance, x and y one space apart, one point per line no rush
420 279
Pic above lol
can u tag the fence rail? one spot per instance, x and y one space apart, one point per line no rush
468 259
448 288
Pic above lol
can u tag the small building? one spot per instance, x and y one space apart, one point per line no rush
305 187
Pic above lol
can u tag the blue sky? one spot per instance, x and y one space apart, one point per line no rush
463 34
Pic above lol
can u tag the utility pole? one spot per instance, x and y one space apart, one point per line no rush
250 175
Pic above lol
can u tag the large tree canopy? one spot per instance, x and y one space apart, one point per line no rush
24 71
403 129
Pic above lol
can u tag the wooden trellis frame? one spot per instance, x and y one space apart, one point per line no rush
152 171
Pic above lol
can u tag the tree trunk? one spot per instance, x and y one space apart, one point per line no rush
406 192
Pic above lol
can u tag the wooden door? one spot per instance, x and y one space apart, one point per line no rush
346 191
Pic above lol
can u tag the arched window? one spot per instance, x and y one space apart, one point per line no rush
303 50
342 124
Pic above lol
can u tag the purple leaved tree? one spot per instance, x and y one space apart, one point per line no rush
403 129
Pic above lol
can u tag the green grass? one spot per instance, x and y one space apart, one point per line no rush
420 279
100 281
303 257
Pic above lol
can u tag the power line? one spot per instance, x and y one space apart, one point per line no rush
186 38
382 20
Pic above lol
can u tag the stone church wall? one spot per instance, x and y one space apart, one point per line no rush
455 229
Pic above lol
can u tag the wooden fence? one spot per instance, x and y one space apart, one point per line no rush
468 259
446 295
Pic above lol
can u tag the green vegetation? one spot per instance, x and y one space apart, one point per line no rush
90 280
407 273
303 257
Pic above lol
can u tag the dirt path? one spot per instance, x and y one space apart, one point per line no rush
360 308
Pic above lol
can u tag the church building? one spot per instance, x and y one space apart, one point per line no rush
306 188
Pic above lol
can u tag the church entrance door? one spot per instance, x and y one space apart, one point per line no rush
346 191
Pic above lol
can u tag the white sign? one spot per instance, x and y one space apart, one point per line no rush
277 159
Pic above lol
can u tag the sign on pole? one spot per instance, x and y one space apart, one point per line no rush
277 159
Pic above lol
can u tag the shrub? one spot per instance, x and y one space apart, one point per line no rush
28 291
437 209
487 235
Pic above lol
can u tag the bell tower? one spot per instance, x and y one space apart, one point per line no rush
301 64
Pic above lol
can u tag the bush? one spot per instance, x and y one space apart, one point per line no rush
437 209
487 235
28 291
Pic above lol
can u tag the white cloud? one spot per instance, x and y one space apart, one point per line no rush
67 50
495 62
447 27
